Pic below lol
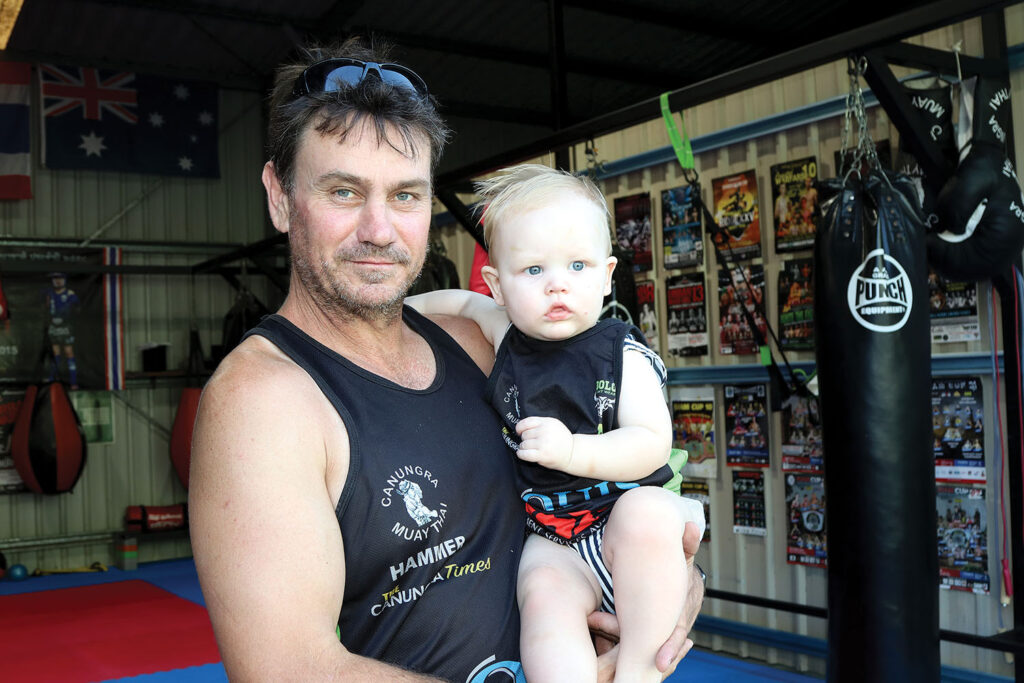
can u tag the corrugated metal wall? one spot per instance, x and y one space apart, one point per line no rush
755 565
203 218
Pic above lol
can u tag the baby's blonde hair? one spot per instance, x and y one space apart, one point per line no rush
530 186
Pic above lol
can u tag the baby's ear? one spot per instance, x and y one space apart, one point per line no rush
490 276
608 278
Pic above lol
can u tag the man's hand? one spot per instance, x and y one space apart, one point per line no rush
605 627
545 441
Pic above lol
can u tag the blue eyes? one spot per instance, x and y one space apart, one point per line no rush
576 266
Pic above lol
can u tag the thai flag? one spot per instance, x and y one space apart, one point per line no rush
15 179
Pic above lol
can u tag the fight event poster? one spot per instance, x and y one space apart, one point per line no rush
698 491
739 288
796 304
794 203
746 425
648 322
61 323
801 435
737 215
953 308
748 511
633 229
687 315
958 430
805 501
682 235
963 538
693 429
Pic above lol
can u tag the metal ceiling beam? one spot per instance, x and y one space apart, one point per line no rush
556 65
490 112
699 23
648 75
889 30
188 7
235 81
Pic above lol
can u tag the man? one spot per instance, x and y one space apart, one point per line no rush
347 412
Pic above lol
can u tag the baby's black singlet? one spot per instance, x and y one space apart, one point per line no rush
576 380
432 529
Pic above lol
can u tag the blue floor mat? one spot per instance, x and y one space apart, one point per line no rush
179 577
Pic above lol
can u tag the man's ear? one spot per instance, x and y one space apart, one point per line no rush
277 198
610 265
490 276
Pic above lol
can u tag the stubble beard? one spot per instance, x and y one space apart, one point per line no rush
324 283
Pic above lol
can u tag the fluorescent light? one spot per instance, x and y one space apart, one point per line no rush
9 10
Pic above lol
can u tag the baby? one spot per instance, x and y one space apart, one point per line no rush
586 418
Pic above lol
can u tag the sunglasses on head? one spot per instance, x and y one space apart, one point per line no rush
331 75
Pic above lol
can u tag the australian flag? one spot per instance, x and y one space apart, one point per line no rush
111 120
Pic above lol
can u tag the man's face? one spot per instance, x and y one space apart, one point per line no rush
358 218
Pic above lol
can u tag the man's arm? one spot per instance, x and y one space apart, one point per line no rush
483 310
267 544
644 432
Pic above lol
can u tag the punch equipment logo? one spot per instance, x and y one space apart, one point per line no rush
880 295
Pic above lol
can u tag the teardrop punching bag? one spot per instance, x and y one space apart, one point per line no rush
47 442
873 355
188 408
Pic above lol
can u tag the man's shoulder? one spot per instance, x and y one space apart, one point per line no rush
256 371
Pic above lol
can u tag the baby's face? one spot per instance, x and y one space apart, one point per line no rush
553 268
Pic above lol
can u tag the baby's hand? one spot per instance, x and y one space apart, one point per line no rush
545 441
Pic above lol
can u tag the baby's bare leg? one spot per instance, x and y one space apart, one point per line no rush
643 549
556 592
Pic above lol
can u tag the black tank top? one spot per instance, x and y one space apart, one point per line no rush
432 527
576 380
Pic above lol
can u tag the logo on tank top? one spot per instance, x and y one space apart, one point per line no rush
880 294
604 399
412 492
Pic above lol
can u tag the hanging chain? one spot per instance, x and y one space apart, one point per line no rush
864 151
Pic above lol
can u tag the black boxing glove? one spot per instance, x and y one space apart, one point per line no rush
980 208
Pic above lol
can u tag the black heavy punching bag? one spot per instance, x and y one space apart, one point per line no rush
873 354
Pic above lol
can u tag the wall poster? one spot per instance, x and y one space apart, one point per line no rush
633 229
698 490
801 435
805 501
796 304
741 287
954 310
687 316
963 538
736 212
958 429
746 425
693 429
648 322
794 200
682 235
748 513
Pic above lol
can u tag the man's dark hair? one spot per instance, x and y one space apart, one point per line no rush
337 112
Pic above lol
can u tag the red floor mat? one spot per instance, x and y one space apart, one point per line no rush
98 632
